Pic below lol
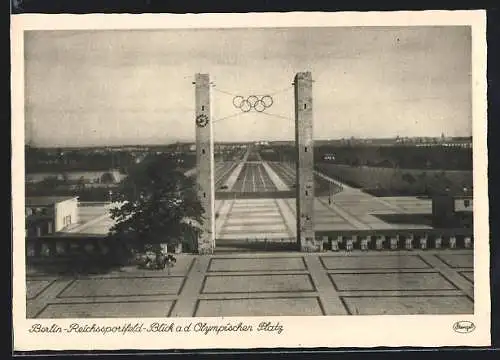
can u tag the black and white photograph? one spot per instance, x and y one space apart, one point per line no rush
289 171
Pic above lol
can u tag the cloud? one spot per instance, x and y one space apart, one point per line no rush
111 86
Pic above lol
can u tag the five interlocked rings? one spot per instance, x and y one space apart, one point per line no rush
257 102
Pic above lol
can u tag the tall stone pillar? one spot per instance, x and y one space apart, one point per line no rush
443 211
305 163
205 162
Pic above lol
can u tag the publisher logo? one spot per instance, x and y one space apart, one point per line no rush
464 327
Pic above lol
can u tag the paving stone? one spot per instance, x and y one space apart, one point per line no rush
260 307
257 283
257 264
108 287
458 260
469 275
252 237
373 262
391 281
35 287
258 213
406 305
250 221
253 228
108 310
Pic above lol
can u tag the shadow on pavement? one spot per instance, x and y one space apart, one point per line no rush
459 220
75 266
410 219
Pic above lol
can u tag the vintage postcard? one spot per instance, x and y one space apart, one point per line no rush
250 180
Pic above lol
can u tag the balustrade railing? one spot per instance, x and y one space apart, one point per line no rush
99 248
422 239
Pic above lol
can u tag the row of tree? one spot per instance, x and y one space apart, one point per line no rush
405 157
59 160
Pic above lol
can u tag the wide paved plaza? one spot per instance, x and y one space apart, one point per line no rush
281 284
251 206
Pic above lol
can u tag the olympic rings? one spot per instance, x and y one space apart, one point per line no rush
267 100
258 103
246 106
252 99
259 106
237 101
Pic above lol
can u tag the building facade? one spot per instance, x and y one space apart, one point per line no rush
46 215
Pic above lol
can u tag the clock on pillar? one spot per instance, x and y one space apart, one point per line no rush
202 120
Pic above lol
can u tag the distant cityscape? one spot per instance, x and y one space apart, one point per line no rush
459 141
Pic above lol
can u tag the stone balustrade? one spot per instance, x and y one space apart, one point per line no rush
67 247
393 240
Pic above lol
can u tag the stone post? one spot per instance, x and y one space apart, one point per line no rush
205 162
364 243
438 241
409 242
423 242
379 242
394 242
453 242
305 162
467 242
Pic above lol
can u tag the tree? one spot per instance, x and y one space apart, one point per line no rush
50 182
107 178
439 184
409 178
65 177
80 185
159 205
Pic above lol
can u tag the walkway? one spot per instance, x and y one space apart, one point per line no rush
277 181
274 284
353 209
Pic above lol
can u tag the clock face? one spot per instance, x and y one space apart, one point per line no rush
202 120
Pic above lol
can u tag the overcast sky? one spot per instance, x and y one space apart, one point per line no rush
135 87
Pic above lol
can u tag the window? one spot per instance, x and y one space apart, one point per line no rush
31 250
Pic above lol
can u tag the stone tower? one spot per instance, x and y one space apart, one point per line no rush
205 162
305 162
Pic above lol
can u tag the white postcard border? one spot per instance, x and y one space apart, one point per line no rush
327 331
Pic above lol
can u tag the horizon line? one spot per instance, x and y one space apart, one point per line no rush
191 142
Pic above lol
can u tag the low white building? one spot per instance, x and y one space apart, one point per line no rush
46 215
